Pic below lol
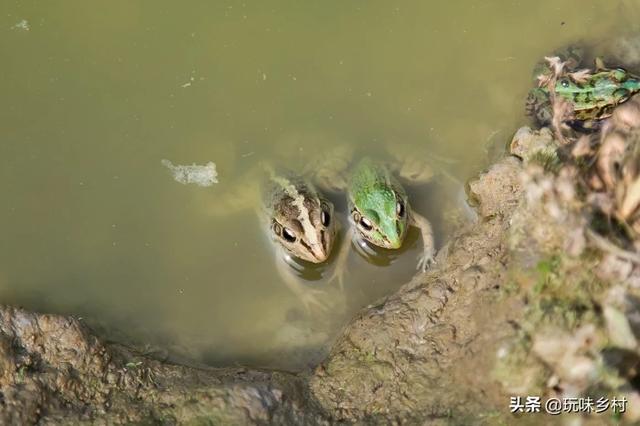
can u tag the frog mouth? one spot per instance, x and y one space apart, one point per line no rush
388 244
394 245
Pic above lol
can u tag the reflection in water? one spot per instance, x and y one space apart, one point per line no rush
305 270
380 256
94 98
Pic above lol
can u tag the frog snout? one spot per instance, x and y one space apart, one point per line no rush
393 240
395 244
320 253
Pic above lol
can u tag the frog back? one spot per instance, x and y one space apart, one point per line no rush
371 183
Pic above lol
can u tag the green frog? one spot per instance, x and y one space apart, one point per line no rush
579 98
380 213
594 96
297 218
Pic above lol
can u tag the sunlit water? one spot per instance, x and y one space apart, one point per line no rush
95 96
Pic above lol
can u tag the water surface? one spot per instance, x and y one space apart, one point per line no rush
96 95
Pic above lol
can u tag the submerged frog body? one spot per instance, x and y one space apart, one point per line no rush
302 223
380 213
296 217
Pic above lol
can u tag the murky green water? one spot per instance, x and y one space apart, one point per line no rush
94 95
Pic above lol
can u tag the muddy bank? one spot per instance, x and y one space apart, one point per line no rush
53 370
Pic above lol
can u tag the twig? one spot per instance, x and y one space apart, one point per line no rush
606 245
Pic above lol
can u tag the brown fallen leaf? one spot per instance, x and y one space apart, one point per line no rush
631 199
610 158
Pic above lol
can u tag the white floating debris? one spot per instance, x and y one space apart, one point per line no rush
22 25
191 80
200 175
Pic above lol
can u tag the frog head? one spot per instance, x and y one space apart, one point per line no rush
380 216
304 226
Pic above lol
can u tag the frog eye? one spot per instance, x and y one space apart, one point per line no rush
400 210
288 235
356 216
283 232
325 218
564 83
325 215
619 74
365 224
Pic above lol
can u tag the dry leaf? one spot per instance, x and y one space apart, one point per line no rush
611 153
631 199
581 76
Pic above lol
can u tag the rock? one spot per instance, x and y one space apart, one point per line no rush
618 328
527 142
568 355
497 190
